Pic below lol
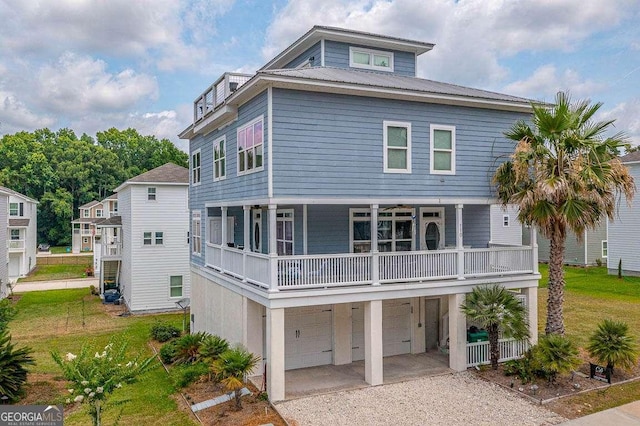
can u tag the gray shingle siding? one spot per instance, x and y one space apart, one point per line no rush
336 54
624 243
314 51
332 145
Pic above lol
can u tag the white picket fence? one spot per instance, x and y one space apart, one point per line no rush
478 353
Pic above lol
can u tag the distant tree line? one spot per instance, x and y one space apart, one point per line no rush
63 171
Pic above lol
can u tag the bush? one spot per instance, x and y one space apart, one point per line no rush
187 349
163 332
612 344
212 347
7 312
13 371
526 368
168 352
184 375
557 355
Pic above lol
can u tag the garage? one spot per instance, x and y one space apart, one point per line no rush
396 328
308 336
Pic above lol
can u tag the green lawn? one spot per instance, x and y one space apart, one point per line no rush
56 272
59 249
63 320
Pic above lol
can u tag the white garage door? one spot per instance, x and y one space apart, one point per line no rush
396 328
14 266
308 336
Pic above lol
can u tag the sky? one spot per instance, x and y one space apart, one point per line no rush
90 65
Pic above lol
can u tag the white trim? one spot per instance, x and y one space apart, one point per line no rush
381 217
385 150
245 126
285 218
155 193
439 221
372 53
604 243
354 201
216 142
506 221
196 216
192 169
181 287
269 143
451 129
322 52
304 229
256 218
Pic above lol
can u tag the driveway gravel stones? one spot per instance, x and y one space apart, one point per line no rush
452 399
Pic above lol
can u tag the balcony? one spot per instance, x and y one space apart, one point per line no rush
16 245
112 251
284 273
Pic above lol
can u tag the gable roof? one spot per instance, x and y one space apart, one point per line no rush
110 222
632 157
89 204
168 174
8 191
113 196
319 32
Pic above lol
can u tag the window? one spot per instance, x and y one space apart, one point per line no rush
443 150
395 230
159 238
195 167
175 286
13 209
85 240
151 194
98 213
370 59
605 248
196 233
219 160
15 234
284 232
397 147
146 239
250 140
505 221
85 212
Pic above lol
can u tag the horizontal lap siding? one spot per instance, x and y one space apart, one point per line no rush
331 145
573 250
594 242
623 232
336 54
314 51
4 212
475 225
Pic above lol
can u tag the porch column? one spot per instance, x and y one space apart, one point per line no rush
457 334
531 293
342 329
459 241
418 337
375 254
223 239
534 248
304 229
247 239
273 248
373 373
275 354
252 331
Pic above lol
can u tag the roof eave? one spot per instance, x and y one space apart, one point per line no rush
122 186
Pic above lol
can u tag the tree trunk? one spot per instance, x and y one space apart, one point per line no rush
494 348
555 298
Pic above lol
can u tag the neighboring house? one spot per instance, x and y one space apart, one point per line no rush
623 242
587 252
144 251
83 236
341 206
506 229
19 228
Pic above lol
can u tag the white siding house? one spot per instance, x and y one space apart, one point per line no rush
145 250
506 229
623 244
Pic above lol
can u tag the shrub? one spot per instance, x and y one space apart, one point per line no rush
163 332
7 312
184 375
187 349
13 371
526 368
168 352
232 367
557 355
212 347
612 344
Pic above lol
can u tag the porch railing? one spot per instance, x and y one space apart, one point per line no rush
478 353
112 249
333 270
16 244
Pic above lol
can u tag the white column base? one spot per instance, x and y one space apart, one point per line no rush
275 354
531 294
342 325
457 334
373 366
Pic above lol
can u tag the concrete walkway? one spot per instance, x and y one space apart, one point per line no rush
625 415
22 286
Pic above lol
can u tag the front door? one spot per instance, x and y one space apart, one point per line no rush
431 228
256 231
432 315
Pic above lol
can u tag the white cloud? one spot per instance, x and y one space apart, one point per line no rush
627 116
547 80
16 116
77 86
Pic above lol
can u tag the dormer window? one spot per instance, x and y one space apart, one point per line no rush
370 59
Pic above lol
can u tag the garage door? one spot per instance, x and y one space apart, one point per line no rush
14 266
396 328
308 336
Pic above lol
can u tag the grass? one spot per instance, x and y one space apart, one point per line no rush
63 320
56 272
590 296
59 249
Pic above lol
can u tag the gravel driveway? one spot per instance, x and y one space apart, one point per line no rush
456 399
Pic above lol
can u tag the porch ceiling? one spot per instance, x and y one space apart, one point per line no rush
353 201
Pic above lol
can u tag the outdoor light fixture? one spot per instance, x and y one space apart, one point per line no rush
184 305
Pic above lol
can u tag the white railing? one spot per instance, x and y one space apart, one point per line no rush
111 249
216 94
498 261
335 270
478 353
16 244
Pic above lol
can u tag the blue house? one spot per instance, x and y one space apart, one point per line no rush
340 207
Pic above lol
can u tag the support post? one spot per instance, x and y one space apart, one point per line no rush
373 364
531 294
275 354
304 229
534 248
457 334
342 330
375 254
459 241
273 248
247 239
223 239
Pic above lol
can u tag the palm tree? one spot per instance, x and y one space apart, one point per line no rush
496 309
564 176
13 363
612 343
557 355
231 367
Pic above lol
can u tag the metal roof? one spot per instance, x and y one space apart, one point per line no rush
391 81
